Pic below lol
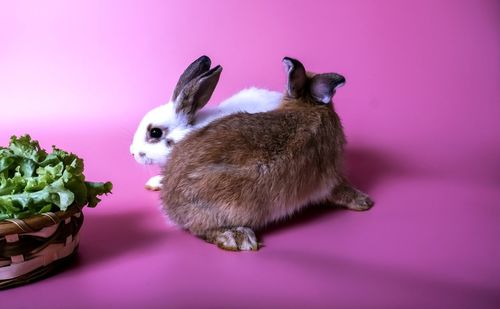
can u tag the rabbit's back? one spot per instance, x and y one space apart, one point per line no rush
252 168
244 171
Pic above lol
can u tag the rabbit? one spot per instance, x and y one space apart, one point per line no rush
167 124
244 171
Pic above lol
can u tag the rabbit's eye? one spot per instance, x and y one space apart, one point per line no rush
155 133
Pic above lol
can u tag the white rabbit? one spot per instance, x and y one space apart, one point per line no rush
164 126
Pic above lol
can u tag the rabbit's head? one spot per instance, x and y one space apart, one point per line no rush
165 125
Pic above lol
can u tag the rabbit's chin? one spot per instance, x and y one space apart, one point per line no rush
150 161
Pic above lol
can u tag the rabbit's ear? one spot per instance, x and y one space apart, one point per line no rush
323 86
297 78
195 69
196 94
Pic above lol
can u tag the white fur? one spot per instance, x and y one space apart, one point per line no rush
155 153
154 183
251 100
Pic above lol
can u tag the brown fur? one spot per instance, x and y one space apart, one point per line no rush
247 170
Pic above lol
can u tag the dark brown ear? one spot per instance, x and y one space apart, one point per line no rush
296 77
196 94
323 86
195 69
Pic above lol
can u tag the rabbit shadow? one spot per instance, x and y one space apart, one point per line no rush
108 236
365 167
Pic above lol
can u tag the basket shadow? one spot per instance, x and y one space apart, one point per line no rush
107 236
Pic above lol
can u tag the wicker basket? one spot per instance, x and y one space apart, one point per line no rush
34 247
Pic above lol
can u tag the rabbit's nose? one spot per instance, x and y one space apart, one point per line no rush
142 154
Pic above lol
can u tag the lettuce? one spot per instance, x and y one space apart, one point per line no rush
33 181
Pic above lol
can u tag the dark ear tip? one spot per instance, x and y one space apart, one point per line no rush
292 64
340 81
215 70
288 61
204 59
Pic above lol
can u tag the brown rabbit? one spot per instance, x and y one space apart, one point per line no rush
244 171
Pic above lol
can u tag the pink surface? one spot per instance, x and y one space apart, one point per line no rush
420 109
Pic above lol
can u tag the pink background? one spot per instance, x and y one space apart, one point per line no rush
420 109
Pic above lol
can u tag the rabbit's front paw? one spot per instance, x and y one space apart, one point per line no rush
237 239
154 183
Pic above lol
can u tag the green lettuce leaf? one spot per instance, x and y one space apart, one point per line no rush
33 181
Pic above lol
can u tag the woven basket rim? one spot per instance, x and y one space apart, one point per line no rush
36 222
